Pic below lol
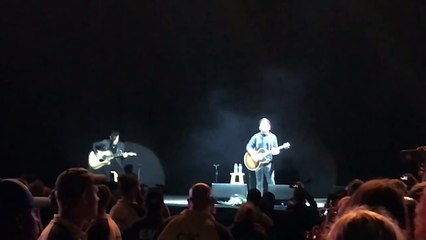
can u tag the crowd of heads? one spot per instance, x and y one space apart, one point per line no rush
374 209
378 209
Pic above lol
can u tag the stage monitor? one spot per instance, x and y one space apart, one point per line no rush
282 192
223 191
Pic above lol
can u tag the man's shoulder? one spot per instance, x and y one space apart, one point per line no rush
99 225
256 135
56 232
223 232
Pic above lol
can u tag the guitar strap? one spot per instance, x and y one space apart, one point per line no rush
258 140
269 142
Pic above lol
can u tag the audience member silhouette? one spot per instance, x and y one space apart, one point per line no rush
17 218
103 227
267 203
76 196
420 220
254 197
245 226
302 214
197 222
380 193
361 223
127 210
145 228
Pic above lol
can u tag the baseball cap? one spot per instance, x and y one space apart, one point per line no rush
16 197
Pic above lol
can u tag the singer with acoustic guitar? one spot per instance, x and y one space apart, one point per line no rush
108 155
260 150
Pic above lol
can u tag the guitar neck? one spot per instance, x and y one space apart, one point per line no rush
277 148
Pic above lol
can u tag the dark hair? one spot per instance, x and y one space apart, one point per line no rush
254 196
37 188
16 204
104 195
127 184
154 199
72 183
361 223
353 186
267 203
417 190
379 193
114 134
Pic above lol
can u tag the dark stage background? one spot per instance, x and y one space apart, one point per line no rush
189 80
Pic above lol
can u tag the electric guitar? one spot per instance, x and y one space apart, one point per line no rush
102 158
261 157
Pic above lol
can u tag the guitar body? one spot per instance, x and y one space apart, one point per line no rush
100 159
252 164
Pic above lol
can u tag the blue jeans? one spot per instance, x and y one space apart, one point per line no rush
269 174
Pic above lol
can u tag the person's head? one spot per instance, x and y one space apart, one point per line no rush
399 185
269 198
417 191
353 186
267 202
420 219
409 179
200 197
254 196
154 199
380 194
17 218
246 213
343 203
129 186
37 188
264 125
114 137
76 193
104 195
361 223
299 196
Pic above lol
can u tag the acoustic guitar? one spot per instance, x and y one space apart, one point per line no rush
261 157
102 158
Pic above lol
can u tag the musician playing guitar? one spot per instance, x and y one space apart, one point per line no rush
115 148
268 141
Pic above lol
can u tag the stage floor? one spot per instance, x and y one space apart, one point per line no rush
181 201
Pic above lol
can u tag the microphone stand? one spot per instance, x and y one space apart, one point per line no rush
216 172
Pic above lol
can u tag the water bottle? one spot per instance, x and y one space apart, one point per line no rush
235 168
240 168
